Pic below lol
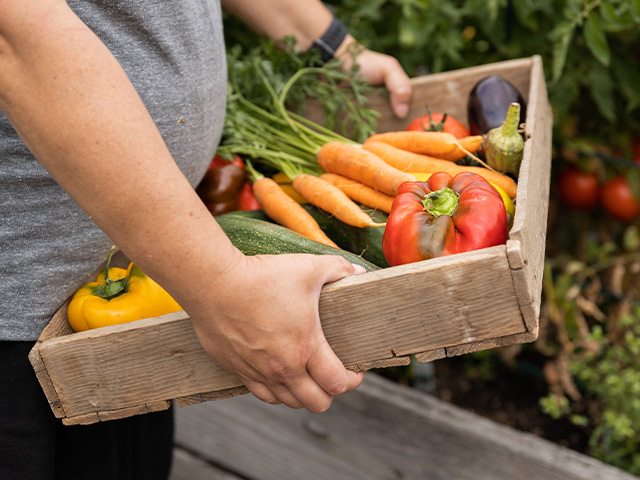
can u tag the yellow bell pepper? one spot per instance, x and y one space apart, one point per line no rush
287 186
118 296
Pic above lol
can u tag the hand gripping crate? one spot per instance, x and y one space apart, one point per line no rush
432 309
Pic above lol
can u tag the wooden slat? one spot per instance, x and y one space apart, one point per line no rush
448 91
530 222
232 392
128 365
380 431
45 382
421 306
187 466
366 318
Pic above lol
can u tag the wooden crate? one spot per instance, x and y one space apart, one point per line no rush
441 307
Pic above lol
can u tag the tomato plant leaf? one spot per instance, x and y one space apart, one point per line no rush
596 39
633 178
562 34
602 88
613 20
633 104
634 9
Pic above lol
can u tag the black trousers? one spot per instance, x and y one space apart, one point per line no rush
34 445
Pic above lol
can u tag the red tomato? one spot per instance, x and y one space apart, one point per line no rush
618 199
434 122
218 161
578 189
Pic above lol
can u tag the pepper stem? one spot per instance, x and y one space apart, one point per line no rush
441 202
111 288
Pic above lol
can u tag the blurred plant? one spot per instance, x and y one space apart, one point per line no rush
590 48
590 335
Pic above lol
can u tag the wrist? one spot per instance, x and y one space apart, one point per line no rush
347 51
331 40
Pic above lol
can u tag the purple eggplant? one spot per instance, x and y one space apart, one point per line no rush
489 103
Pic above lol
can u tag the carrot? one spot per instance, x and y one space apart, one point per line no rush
467 145
359 192
284 210
400 159
356 163
435 144
331 199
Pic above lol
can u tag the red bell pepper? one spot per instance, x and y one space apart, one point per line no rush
443 216
246 199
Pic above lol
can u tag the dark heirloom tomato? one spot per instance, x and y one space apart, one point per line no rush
222 185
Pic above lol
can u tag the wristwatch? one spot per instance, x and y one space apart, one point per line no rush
330 40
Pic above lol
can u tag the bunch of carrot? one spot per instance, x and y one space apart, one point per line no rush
333 172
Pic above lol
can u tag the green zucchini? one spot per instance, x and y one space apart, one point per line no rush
258 237
365 242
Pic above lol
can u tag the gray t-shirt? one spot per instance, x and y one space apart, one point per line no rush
173 52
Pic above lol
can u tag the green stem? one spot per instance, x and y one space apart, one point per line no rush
441 202
511 123
327 132
111 288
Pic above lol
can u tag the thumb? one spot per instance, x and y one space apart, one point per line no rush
399 86
335 267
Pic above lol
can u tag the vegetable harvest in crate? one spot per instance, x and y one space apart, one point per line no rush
339 175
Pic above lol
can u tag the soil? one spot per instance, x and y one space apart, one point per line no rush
509 396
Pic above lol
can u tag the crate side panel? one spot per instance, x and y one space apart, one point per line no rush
139 363
366 318
422 306
441 92
532 205
448 92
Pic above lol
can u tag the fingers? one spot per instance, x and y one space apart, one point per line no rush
278 351
333 267
313 383
399 86
329 372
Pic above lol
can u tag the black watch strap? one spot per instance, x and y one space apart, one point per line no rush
330 40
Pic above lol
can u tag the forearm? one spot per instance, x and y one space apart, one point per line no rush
305 20
76 110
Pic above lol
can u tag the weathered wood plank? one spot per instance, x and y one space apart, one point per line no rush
366 318
190 467
530 222
442 92
380 431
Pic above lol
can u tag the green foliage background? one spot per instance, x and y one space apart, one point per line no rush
590 49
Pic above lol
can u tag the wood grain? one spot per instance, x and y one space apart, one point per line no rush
380 431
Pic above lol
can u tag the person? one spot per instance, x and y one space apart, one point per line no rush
110 113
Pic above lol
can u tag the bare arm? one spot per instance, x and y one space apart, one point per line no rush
307 20
97 140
